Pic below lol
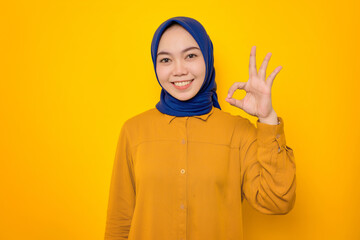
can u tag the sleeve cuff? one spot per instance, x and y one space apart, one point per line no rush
267 133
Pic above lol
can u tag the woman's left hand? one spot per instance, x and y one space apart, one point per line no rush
257 101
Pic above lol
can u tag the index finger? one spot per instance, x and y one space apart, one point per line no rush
237 85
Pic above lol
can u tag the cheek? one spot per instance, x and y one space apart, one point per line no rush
161 73
199 69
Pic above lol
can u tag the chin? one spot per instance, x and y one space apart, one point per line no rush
184 98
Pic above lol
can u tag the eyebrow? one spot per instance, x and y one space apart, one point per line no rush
185 50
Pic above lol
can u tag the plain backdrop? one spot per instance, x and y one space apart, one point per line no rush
72 71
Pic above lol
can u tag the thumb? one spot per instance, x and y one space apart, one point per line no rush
234 87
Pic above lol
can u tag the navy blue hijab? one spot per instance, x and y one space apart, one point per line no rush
203 101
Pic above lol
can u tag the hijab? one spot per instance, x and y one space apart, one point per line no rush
206 97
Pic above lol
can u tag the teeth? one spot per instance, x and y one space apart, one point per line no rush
182 83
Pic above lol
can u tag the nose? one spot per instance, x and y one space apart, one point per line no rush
179 69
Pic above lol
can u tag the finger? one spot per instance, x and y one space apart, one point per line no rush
237 85
262 70
272 76
236 102
252 64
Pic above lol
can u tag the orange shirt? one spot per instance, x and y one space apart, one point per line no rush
186 177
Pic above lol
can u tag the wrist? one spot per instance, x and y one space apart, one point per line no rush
271 119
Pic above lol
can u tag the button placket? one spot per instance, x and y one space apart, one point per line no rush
280 142
183 182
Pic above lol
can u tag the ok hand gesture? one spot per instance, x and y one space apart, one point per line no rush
257 101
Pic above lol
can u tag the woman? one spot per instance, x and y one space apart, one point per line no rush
182 169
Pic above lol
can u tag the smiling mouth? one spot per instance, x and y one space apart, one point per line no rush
182 83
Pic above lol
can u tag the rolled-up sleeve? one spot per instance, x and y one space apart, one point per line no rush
268 169
122 191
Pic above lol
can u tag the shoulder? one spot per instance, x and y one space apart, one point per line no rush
145 125
143 116
240 129
147 117
235 120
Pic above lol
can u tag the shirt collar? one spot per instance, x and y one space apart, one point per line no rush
204 117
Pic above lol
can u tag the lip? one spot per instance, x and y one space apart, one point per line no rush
182 87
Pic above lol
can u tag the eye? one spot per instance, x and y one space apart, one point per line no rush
162 60
191 54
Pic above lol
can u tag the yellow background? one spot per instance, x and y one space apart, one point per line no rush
71 72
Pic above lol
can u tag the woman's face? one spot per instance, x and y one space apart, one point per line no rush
180 65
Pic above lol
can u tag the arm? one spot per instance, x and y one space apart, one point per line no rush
268 169
122 192
267 164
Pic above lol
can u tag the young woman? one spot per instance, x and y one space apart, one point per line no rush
182 169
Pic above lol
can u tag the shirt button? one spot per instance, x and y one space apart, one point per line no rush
277 135
182 171
182 206
183 141
279 149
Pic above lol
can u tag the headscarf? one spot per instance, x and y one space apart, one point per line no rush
206 97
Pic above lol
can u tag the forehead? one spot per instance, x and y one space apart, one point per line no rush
176 35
